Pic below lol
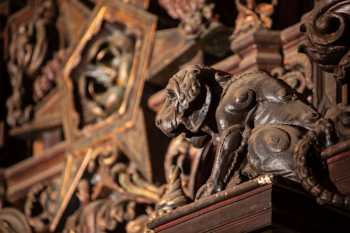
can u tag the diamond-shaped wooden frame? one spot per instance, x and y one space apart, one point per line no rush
136 20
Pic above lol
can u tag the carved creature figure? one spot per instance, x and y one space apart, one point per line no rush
257 123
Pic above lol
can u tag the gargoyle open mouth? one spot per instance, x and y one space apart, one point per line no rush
196 139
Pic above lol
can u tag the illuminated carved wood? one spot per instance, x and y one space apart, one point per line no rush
257 124
253 207
29 49
103 77
99 52
84 80
13 221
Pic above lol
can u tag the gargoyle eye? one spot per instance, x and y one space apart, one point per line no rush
170 94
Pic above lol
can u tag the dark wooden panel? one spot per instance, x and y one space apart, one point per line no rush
281 207
339 167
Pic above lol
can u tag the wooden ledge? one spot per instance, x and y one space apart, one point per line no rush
277 207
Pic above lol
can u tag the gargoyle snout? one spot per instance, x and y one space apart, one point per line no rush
166 126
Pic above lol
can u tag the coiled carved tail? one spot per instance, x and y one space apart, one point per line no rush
308 178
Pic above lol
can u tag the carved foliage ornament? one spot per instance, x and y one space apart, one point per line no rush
257 123
31 43
41 205
196 16
327 30
110 190
13 221
104 215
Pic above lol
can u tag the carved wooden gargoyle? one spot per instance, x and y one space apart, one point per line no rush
258 125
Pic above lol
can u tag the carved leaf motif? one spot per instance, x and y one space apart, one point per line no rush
29 49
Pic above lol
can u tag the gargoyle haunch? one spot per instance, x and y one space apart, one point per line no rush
258 125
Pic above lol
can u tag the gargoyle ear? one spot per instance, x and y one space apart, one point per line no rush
222 77
195 120
192 85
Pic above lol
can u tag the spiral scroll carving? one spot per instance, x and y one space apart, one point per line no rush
326 29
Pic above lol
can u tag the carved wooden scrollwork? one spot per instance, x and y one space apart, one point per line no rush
229 131
103 72
326 29
32 40
195 16
13 221
182 154
47 79
110 190
199 23
106 215
41 204
297 73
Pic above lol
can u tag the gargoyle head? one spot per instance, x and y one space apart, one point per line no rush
187 105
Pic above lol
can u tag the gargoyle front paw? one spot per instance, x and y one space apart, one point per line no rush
208 189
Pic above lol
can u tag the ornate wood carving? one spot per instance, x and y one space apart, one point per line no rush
298 70
195 17
248 118
103 82
325 29
41 204
109 190
252 16
13 221
139 3
29 48
107 215
297 75
199 34
173 196
190 159
116 46
246 126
